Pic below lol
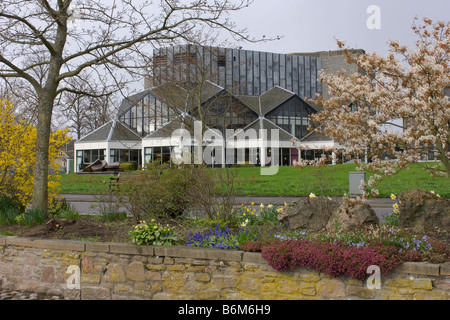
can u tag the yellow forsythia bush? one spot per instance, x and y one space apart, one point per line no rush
18 154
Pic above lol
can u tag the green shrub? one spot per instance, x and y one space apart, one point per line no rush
263 215
163 191
10 208
8 216
31 217
110 215
153 234
127 166
391 219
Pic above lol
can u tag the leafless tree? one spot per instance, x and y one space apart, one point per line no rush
48 42
88 110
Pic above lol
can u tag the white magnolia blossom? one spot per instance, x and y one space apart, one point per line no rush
404 85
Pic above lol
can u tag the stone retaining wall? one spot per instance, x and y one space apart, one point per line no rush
127 271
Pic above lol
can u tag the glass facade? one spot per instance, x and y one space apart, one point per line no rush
125 155
147 115
293 116
226 112
88 156
158 154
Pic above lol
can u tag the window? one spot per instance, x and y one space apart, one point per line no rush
120 155
160 60
148 155
292 116
221 61
79 160
161 154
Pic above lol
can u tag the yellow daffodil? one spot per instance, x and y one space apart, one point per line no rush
279 210
252 203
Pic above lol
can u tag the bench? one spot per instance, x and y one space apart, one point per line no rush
124 177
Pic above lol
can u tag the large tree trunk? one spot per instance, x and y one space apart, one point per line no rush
40 190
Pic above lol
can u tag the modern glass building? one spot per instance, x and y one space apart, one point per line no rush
234 93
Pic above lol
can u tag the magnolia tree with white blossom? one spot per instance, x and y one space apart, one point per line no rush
395 111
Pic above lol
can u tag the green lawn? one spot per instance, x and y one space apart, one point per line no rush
333 180
291 181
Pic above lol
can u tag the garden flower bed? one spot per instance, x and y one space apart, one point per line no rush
255 228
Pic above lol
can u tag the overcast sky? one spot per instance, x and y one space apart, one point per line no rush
313 25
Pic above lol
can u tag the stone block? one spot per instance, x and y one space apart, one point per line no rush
419 268
202 277
114 273
445 269
125 248
67 245
361 292
197 253
95 293
331 288
308 289
434 295
223 281
253 257
248 285
443 284
176 267
123 288
422 284
48 274
87 265
90 278
97 246
398 282
135 271
153 276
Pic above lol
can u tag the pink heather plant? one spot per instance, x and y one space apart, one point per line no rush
335 258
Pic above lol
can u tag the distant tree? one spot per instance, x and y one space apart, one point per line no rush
87 110
396 108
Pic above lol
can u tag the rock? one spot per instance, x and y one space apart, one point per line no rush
350 216
325 213
423 211
308 213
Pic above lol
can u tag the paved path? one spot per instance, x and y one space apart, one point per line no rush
87 203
